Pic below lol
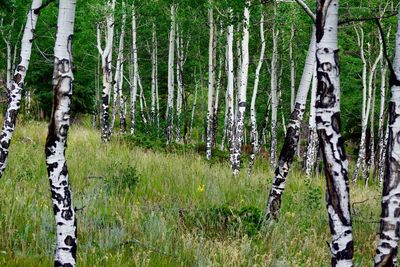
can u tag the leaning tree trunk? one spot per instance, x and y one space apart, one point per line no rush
292 137
56 143
292 70
328 128
242 91
169 116
211 84
386 252
253 117
17 84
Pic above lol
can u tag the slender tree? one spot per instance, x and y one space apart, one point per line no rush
274 93
106 59
242 91
64 213
292 137
328 128
133 72
386 252
17 83
169 115
119 71
211 82
253 119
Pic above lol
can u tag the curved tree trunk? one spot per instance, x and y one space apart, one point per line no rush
328 128
17 84
253 118
292 137
386 252
64 213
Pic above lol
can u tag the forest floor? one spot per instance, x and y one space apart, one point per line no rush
139 207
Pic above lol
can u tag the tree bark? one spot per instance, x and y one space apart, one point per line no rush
242 91
169 116
292 137
17 84
274 96
134 73
211 83
386 252
328 128
106 59
64 213
361 160
230 113
253 115
119 72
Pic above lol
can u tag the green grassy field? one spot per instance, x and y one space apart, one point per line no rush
137 207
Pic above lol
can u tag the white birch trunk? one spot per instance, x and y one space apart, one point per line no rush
328 128
153 75
381 135
292 137
179 81
211 83
134 73
17 84
118 71
242 91
230 89
361 160
169 116
274 96
292 70
312 129
253 114
386 252
64 213
193 109
106 58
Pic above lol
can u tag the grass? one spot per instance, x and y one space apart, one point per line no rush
139 207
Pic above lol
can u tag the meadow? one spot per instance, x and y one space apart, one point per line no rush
142 207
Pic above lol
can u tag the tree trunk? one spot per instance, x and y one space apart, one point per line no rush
292 137
179 80
381 137
292 71
242 91
211 83
194 109
386 252
229 105
106 58
119 73
153 75
361 161
169 116
134 73
253 114
274 96
312 147
64 213
328 128
17 83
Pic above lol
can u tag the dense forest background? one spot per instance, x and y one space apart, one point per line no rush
192 18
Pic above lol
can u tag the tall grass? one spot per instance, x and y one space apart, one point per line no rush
137 207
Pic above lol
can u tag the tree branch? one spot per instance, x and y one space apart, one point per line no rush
307 9
366 19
